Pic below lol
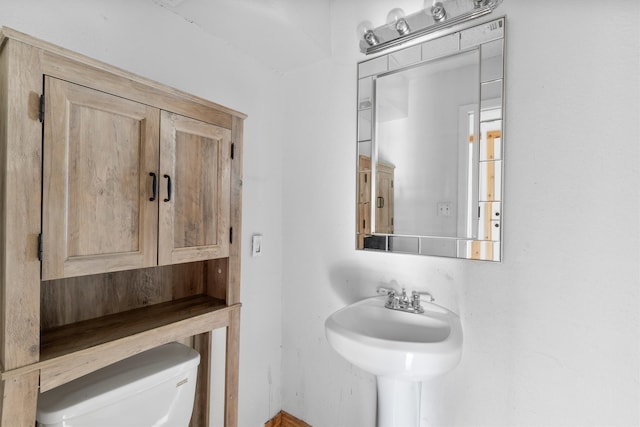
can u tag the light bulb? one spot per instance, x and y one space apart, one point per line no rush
394 15
365 31
396 18
438 12
363 28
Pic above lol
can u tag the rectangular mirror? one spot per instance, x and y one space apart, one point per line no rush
430 147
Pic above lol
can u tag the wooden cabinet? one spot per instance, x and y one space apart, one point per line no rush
129 186
120 201
194 170
98 153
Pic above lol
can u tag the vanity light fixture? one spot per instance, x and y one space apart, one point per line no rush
436 16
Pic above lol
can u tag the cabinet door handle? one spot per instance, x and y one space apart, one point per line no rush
168 188
155 186
380 202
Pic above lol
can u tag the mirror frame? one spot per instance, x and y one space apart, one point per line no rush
486 242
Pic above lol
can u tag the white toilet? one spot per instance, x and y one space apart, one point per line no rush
153 388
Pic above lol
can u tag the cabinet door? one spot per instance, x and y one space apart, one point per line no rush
195 190
98 153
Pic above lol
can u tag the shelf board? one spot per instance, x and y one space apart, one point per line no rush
70 351
58 341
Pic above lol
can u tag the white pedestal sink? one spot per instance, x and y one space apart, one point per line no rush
401 349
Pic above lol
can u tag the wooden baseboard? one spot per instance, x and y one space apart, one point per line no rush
284 419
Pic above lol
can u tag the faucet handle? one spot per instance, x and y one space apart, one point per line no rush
416 296
386 291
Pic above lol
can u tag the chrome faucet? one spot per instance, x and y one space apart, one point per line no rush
402 302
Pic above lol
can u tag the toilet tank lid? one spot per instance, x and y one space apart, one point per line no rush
114 382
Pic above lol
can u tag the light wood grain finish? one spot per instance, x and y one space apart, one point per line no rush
20 205
99 150
75 350
217 273
481 249
4 116
235 255
491 138
363 212
68 339
104 294
485 227
194 222
201 409
284 419
384 198
96 183
232 369
20 398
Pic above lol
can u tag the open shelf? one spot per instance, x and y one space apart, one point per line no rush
66 339
70 351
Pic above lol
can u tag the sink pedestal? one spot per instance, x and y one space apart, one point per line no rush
401 349
398 402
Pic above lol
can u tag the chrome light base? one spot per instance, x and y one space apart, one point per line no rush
443 14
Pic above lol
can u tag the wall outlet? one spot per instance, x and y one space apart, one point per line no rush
445 208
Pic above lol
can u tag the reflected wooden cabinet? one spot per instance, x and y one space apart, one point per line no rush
363 214
384 199
120 201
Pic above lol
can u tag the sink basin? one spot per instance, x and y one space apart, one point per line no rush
392 343
401 349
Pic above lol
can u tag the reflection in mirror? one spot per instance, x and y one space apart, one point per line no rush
420 147
430 147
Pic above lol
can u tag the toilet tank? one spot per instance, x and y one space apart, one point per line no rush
154 388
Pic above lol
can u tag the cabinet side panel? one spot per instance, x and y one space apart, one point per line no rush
4 113
233 293
217 278
19 400
232 369
201 407
21 199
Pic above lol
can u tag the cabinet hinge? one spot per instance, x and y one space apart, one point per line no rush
233 150
40 247
41 110
230 234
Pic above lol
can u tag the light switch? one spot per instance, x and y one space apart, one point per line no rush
256 245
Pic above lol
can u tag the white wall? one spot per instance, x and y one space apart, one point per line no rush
552 332
143 38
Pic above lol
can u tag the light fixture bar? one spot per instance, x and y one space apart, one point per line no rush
423 23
